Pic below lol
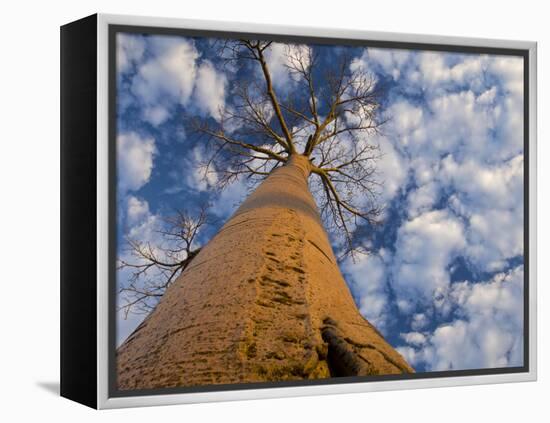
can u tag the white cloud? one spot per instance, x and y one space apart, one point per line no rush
490 198
210 90
465 141
437 70
493 237
419 321
134 160
171 74
414 338
487 97
137 209
409 354
470 99
146 230
166 78
422 199
510 71
156 115
487 332
369 283
392 170
425 247
198 176
407 118
277 58
406 125
431 73
449 122
494 186
457 118
390 61
130 49
461 92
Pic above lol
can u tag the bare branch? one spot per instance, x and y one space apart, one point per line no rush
153 268
274 101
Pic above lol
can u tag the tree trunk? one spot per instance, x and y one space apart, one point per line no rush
263 300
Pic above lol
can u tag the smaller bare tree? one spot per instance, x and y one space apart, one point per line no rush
155 266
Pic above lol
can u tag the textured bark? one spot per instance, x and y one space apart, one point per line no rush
263 300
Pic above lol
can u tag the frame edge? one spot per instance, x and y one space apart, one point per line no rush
106 402
78 184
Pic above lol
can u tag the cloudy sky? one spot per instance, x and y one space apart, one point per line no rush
444 280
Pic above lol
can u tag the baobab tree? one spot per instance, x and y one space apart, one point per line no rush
264 299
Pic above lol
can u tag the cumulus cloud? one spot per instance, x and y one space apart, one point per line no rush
210 90
487 330
495 236
367 275
414 338
137 210
135 155
388 61
166 78
278 59
425 247
156 114
435 72
146 230
422 199
135 159
419 321
490 198
197 175
510 72
171 74
130 50
470 100
495 186
463 146
392 170
455 142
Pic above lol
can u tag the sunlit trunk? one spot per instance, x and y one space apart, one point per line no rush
263 300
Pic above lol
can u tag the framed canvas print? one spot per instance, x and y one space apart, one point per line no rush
254 211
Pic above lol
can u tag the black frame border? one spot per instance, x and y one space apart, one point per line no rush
113 29
78 211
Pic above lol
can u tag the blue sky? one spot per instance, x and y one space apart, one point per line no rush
444 280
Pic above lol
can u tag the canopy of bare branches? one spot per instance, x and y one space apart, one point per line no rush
329 115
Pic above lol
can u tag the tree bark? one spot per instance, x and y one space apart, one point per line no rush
263 300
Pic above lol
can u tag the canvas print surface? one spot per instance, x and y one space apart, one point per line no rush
300 212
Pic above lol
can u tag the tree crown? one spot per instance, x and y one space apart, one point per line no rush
329 114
